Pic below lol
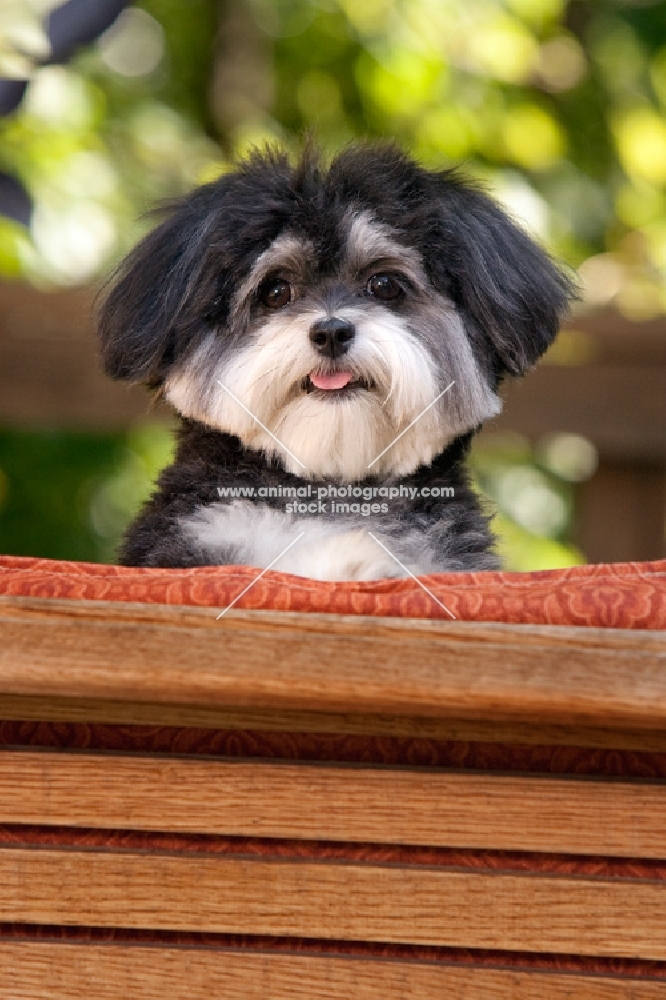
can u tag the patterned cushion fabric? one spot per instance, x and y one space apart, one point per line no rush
621 595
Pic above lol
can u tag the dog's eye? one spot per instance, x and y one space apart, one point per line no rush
275 294
385 287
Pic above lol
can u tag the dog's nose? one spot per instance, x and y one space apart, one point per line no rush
332 337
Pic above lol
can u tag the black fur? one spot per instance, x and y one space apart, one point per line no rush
176 287
205 458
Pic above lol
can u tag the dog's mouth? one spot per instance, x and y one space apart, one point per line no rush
335 383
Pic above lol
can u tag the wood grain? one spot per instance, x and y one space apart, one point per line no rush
68 609
89 710
379 805
31 970
334 900
305 662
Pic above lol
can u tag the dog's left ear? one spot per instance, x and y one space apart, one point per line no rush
509 292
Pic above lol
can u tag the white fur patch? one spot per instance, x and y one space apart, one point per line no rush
257 535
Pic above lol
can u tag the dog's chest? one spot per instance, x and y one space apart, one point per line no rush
251 534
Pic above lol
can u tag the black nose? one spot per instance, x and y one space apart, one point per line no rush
332 337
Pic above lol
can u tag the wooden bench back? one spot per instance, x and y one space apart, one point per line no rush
284 805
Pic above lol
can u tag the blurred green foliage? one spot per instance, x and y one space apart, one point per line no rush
46 485
558 107
67 495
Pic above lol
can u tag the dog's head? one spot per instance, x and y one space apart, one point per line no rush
317 313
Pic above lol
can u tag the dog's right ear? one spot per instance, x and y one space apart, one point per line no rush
150 315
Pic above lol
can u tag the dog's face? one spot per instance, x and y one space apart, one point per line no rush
335 348
317 315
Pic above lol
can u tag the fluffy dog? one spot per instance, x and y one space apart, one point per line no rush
332 339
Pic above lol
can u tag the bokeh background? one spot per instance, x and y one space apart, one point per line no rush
557 107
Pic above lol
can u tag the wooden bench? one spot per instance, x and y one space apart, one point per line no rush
284 805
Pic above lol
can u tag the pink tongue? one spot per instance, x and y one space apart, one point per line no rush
338 380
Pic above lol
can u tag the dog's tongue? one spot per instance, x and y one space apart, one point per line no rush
336 380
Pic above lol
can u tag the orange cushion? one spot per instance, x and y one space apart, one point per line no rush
620 595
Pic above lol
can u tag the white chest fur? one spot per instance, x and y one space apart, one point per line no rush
248 534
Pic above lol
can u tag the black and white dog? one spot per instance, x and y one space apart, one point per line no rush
332 338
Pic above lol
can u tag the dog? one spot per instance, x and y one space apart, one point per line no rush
332 338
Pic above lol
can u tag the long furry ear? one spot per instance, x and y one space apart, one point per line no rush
147 316
510 292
